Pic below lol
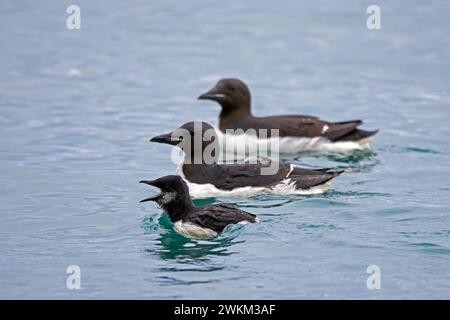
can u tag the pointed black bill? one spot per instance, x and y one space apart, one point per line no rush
207 96
155 198
166 138
151 183
212 94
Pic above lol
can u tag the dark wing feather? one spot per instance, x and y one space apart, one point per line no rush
218 216
295 126
339 129
304 126
231 176
305 178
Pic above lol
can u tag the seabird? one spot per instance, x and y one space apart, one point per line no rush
206 177
189 220
234 97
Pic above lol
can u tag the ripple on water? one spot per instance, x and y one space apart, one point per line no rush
392 211
327 226
324 202
399 149
356 156
331 196
430 248
348 163
354 194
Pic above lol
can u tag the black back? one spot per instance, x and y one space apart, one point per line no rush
217 216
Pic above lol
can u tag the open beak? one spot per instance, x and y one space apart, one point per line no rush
212 94
167 139
154 198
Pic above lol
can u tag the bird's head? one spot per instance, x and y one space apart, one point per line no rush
173 196
231 94
197 139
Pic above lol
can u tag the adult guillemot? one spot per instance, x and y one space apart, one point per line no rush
206 177
296 132
189 220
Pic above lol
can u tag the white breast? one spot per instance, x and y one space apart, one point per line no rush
193 231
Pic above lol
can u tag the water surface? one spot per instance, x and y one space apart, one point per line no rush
77 109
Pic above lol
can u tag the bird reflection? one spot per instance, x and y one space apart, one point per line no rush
350 157
172 245
357 161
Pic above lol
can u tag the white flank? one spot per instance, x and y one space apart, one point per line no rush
288 145
193 231
285 187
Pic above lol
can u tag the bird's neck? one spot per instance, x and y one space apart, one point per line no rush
241 110
230 117
178 208
191 170
198 160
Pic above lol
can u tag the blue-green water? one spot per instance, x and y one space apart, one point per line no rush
74 144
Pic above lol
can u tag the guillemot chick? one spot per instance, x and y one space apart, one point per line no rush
207 178
234 97
189 220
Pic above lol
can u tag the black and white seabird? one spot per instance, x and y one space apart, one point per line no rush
207 178
234 97
189 220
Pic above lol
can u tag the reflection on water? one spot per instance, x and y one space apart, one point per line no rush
173 245
355 162
349 157
398 149
355 157
204 201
